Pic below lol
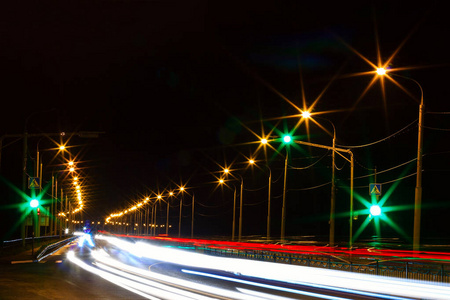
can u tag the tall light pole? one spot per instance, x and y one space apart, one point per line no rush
264 142
268 202
192 220
418 189
167 218
241 204
333 191
181 210
333 183
233 224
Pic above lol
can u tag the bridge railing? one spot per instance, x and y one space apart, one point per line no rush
438 272
434 272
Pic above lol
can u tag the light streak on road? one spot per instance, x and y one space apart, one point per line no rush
267 286
289 290
314 277
105 275
103 258
150 284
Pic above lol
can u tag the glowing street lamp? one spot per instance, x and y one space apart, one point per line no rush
233 226
182 189
381 71
226 171
306 114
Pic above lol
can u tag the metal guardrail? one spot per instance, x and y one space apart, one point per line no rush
28 240
52 248
435 272
418 270
48 250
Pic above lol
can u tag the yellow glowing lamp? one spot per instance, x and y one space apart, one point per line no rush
306 114
381 71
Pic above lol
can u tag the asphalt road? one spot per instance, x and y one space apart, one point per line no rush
117 270
56 278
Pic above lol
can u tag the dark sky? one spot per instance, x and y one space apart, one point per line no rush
166 81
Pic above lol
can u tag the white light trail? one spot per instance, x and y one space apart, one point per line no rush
105 275
267 286
185 284
152 285
345 281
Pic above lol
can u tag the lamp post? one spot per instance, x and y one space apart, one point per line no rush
241 204
268 202
192 220
167 218
418 188
233 224
333 182
181 210
264 141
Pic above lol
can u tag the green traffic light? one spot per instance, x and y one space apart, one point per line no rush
34 203
287 138
375 210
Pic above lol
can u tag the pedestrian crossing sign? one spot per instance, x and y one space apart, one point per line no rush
375 189
33 183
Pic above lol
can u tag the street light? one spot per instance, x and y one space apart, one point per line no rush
268 197
381 71
167 218
306 114
233 226
226 171
333 182
418 189
182 189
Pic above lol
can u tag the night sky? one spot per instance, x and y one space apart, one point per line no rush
179 88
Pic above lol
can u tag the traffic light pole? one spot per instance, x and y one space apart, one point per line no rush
352 164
